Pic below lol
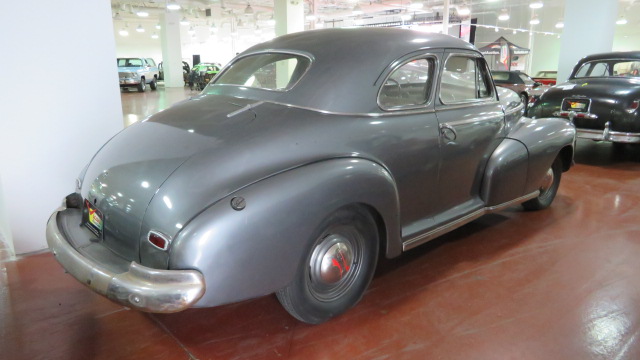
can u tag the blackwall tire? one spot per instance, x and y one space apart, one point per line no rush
336 269
548 189
154 84
142 86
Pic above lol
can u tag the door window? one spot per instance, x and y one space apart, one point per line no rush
408 86
464 79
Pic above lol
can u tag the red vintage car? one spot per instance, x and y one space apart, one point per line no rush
546 77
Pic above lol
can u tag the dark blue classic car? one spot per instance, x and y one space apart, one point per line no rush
601 98
301 161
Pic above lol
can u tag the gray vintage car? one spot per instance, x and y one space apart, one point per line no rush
301 162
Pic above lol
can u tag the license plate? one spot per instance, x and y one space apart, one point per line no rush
576 105
93 219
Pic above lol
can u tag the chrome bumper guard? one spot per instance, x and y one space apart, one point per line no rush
599 135
141 288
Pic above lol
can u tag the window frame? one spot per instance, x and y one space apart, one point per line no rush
433 75
484 69
264 52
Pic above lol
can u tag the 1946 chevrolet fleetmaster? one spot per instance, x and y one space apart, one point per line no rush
299 163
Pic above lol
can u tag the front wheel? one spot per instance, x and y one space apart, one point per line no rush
336 269
142 86
548 188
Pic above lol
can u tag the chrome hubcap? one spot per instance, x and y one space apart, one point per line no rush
336 263
547 182
333 266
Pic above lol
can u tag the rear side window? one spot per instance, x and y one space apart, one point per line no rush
269 71
408 86
500 77
464 79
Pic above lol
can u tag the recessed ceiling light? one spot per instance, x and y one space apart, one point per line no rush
464 10
504 15
536 4
172 5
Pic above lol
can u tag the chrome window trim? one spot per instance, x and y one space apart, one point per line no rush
464 102
262 52
433 75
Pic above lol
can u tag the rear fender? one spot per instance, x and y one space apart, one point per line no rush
545 140
256 251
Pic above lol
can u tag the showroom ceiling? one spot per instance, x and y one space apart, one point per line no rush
259 13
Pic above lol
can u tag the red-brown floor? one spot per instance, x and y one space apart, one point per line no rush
563 283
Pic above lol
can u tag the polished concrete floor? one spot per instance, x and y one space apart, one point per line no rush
563 283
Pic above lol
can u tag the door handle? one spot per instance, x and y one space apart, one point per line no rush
448 132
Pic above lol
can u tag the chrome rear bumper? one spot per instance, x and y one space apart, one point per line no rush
139 287
608 135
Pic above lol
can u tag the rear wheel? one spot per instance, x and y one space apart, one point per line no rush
548 188
524 98
336 269
154 84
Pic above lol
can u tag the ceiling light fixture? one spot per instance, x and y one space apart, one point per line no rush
534 20
184 21
123 32
172 5
142 13
464 10
158 26
622 21
140 29
357 10
559 25
117 16
154 36
536 4
213 28
248 10
504 15
192 30
414 5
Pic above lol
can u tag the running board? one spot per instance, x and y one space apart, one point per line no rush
421 239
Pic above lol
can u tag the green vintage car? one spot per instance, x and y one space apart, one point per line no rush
202 73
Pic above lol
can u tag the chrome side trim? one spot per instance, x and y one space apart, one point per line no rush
141 288
423 238
374 115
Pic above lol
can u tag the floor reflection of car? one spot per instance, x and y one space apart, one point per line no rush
528 89
601 98
546 77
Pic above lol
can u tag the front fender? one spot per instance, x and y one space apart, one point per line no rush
256 251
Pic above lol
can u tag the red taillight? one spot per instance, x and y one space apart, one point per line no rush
158 240
634 106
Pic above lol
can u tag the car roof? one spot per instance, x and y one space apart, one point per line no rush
612 55
344 75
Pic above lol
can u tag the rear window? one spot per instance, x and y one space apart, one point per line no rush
269 71
609 68
500 77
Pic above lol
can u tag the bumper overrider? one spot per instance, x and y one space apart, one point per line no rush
128 283
599 135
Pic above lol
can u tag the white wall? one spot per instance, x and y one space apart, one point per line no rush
59 102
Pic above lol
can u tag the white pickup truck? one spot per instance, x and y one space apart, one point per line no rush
138 72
